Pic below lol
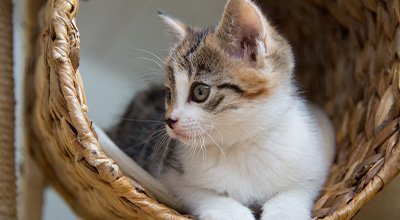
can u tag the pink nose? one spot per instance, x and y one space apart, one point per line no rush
170 122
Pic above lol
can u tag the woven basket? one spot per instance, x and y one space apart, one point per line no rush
348 62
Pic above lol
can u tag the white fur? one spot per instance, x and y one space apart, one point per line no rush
275 156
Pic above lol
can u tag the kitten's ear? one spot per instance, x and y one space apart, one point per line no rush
175 27
242 30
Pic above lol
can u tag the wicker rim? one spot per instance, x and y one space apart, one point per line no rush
61 114
61 45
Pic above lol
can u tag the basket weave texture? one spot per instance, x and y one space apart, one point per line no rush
7 106
348 62
7 103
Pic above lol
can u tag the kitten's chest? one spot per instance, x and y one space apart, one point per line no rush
246 176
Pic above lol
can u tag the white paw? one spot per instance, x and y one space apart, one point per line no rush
289 205
285 216
281 212
240 213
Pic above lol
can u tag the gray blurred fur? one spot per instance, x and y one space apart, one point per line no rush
141 133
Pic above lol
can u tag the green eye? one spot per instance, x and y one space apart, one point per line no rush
168 95
200 92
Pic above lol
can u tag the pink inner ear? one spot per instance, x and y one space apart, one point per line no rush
246 43
242 24
246 46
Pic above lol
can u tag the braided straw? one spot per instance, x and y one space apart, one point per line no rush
348 62
7 160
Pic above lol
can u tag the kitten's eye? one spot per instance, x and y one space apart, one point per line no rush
200 92
168 95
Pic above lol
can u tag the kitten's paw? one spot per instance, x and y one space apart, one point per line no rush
291 205
286 215
285 212
239 213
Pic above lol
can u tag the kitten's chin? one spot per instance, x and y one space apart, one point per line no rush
181 136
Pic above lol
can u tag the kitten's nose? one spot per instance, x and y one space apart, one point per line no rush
170 122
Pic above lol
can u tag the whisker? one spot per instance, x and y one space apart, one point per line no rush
153 136
167 144
143 120
153 74
216 144
219 132
155 71
150 80
203 147
150 53
156 147
190 144
163 156
187 150
151 60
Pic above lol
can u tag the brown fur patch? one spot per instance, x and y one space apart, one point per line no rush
253 83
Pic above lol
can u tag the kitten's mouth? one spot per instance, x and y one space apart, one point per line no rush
184 136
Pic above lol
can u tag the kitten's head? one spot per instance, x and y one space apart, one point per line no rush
222 80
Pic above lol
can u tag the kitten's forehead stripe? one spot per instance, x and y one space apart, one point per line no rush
209 62
195 38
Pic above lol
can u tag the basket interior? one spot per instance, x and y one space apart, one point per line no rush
348 64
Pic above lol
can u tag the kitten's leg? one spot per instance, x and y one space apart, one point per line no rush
207 205
289 205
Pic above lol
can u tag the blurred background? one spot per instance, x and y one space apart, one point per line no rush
120 43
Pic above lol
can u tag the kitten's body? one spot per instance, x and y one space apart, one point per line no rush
249 141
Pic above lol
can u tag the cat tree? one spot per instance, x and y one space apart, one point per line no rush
348 62
7 166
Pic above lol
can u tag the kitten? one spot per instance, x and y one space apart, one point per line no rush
244 139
